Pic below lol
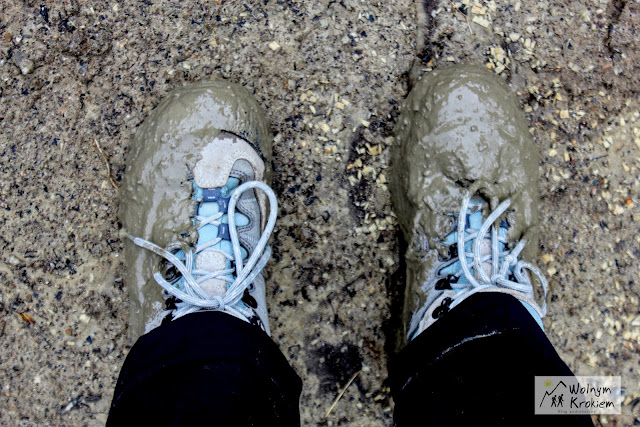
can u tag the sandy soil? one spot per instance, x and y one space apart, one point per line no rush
77 78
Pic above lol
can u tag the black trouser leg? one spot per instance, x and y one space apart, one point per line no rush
476 366
206 368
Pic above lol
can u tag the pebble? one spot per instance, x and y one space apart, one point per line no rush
23 62
478 9
481 21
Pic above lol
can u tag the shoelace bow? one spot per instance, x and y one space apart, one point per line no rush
521 288
192 296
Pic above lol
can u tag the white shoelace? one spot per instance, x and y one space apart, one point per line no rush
502 265
498 281
193 297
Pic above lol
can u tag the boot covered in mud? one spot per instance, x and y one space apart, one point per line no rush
464 188
196 208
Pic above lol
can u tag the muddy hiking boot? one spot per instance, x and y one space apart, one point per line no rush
196 207
464 187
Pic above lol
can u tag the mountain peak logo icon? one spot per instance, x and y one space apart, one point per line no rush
553 392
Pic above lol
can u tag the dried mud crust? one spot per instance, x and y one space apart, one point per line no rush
74 71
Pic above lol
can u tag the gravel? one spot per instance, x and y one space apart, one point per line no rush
77 75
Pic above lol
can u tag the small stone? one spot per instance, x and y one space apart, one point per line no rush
23 62
481 21
368 170
478 9
84 318
274 46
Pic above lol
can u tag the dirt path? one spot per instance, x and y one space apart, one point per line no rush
330 75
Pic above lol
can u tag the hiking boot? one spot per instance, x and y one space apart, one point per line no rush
464 181
196 208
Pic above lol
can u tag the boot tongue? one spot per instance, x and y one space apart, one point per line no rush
212 260
215 177
215 201
474 221
485 249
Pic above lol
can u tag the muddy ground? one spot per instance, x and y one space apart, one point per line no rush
77 75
